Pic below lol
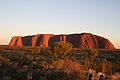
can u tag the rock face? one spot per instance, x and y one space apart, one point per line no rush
84 40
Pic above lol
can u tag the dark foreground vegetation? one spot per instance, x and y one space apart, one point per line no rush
58 62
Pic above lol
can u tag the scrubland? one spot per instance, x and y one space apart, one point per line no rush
58 62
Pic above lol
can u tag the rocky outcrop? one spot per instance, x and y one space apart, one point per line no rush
16 41
84 40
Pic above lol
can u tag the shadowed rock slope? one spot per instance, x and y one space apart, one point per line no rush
83 40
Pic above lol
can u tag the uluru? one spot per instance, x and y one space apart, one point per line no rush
83 40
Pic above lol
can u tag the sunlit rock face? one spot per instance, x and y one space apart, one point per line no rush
83 40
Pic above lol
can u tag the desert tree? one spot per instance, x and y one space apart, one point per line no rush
34 52
92 53
104 66
60 49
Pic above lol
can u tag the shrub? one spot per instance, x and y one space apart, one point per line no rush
60 49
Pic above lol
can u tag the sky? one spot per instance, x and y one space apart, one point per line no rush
30 17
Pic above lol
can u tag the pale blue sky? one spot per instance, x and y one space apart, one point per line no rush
27 17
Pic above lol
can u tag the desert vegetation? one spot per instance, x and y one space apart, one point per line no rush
58 62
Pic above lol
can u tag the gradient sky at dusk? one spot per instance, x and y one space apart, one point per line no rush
29 17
